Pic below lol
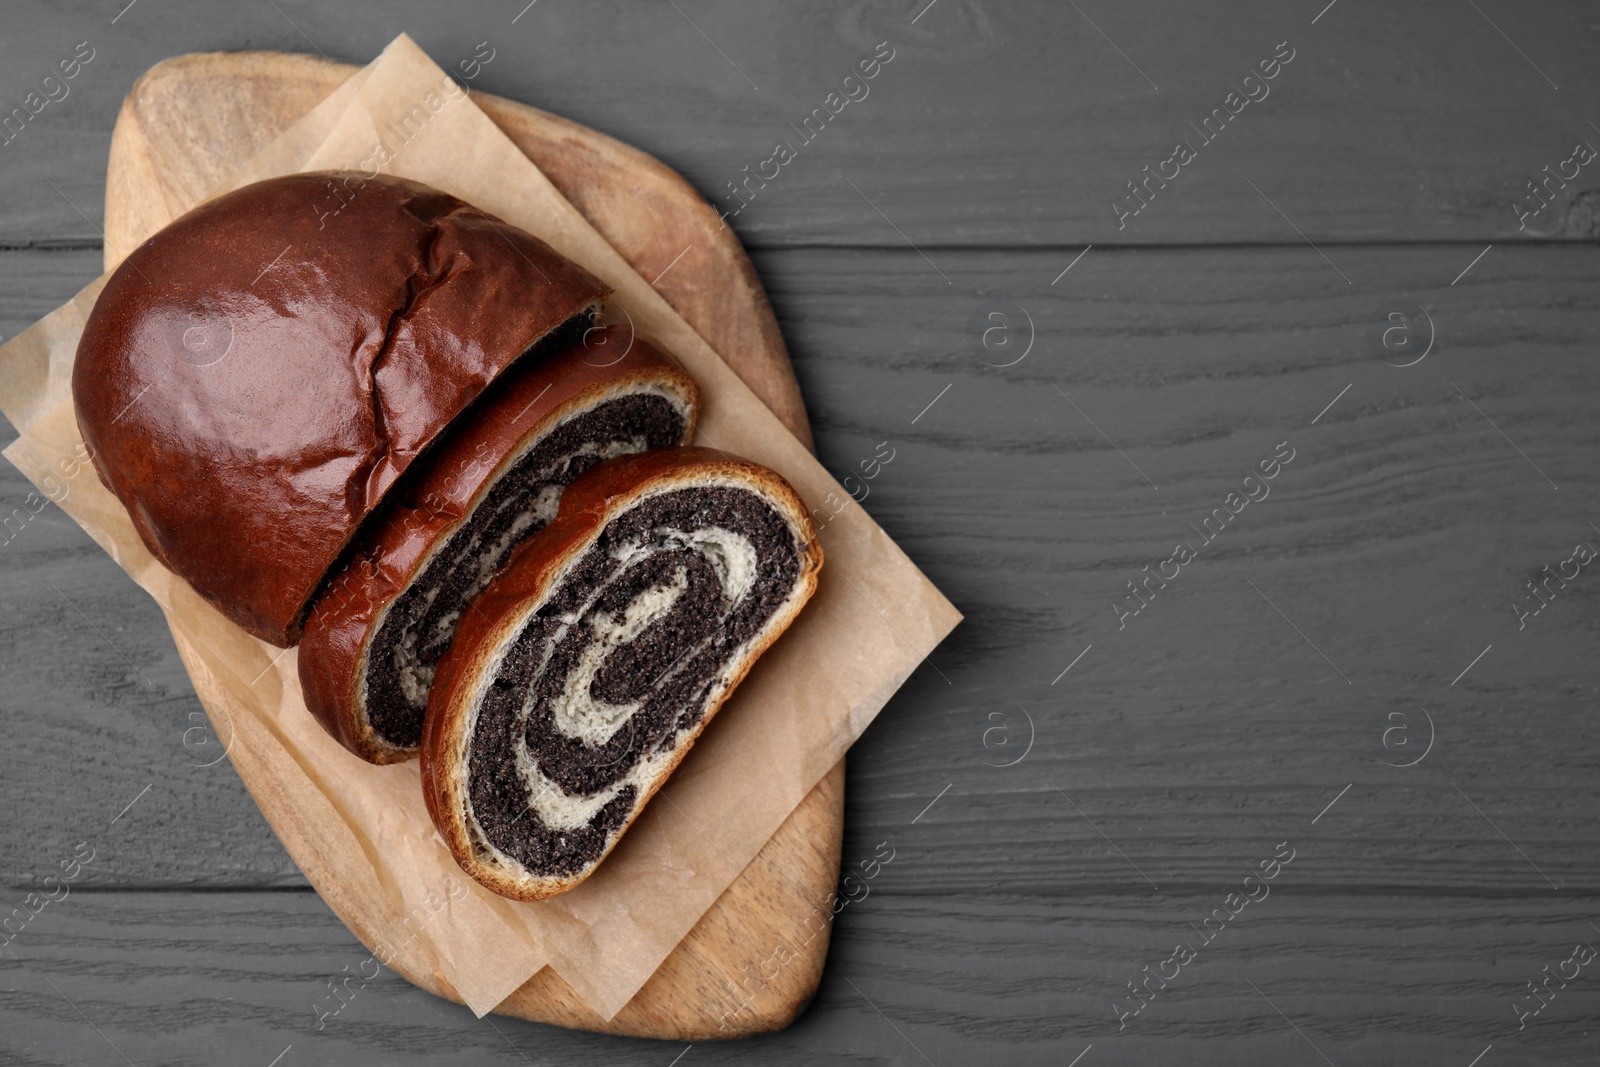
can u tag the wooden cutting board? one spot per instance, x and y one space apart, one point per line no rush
191 119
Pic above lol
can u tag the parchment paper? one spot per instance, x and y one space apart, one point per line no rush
873 618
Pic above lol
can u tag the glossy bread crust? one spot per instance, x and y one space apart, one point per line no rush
526 579
254 377
395 547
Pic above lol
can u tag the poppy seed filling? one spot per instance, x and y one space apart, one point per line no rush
420 623
631 644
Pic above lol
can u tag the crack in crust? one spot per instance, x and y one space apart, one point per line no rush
427 276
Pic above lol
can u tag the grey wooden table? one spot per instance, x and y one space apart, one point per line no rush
1081 342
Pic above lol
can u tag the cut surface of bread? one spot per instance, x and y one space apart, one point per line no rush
594 661
378 630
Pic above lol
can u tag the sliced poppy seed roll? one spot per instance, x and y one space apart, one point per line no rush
603 648
379 628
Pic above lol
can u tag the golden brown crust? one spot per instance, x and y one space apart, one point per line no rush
254 377
443 488
527 577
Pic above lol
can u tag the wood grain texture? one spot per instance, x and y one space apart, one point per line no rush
182 978
178 134
1194 740
995 123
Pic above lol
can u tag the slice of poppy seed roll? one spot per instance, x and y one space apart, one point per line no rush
381 624
603 648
